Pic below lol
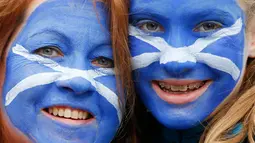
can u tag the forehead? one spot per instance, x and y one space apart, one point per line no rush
184 7
68 17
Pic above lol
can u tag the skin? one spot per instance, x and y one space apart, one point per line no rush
175 62
62 57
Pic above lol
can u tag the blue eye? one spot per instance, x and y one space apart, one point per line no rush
103 62
207 26
49 52
149 26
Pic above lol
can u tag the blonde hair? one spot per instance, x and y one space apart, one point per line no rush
240 108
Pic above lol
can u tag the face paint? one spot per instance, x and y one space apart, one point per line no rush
60 84
186 61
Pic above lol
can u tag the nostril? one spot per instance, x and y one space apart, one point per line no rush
77 85
67 88
178 68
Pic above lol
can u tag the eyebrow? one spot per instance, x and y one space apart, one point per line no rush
65 39
214 12
199 12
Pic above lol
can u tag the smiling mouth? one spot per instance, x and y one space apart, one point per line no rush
68 115
180 91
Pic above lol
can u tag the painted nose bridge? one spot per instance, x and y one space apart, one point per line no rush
177 60
175 36
77 85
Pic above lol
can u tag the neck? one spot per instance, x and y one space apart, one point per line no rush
191 135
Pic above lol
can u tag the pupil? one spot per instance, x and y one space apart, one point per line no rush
152 26
47 51
209 26
103 61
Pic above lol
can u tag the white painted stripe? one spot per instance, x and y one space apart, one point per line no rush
145 60
30 82
186 54
156 42
219 63
180 55
62 73
202 43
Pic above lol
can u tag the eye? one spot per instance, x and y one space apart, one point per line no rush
150 26
207 26
49 52
103 62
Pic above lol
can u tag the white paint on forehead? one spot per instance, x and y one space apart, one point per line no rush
191 53
61 73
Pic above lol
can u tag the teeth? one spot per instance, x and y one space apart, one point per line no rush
162 84
180 88
61 112
85 115
50 110
55 111
183 88
68 113
80 116
191 86
168 86
174 88
75 114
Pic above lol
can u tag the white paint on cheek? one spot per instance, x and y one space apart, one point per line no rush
191 53
30 82
61 73
142 60
219 63
156 42
202 43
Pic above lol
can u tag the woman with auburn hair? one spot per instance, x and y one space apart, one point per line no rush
63 79
191 70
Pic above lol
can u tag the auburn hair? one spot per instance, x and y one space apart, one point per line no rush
12 13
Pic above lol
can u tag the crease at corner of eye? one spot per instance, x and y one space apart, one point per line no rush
193 52
61 73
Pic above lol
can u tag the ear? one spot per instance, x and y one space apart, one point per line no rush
251 47
251 50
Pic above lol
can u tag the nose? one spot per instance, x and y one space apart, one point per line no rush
77 85
177 61
176 68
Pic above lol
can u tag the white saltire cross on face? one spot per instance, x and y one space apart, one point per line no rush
191 53
61 73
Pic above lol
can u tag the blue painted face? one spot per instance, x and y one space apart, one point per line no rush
188 56
60 85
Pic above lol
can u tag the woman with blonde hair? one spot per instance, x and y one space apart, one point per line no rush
59 61
191 70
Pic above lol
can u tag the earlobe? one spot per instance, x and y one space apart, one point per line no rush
251 50
251 47
251 38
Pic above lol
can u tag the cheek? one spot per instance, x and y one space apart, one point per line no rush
109 82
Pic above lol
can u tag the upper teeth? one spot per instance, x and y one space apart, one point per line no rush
69 113
182 88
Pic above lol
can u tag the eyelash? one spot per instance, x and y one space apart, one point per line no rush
53 52
213 25
98 62
143 25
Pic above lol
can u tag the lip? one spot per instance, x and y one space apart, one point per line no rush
68 121
182 98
